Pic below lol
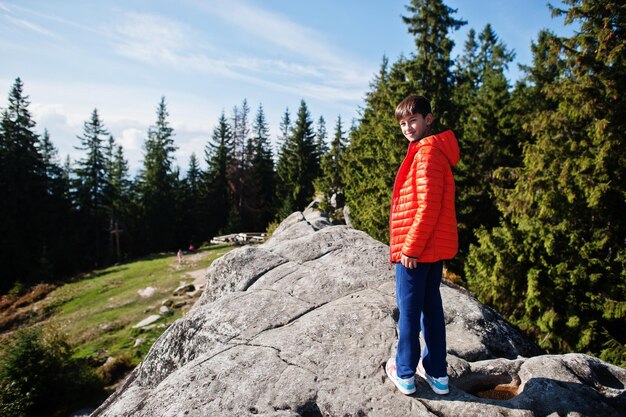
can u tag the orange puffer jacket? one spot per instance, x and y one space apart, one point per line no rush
422 221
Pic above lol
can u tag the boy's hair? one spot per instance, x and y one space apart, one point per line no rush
412 105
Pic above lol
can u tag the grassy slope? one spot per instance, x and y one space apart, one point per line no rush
99 311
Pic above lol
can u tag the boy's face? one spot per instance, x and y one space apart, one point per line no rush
415 126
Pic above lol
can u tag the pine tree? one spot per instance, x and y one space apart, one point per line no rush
261 181
58 241
90 191
377 146
556 266
193 208
297 165
219 157
91 170
240 131
467 81
23 190
282 187
321 147
285 131
50 158
430 72
489 140
192 178
119 201
376 151
331 182
528 97
158 185
238 176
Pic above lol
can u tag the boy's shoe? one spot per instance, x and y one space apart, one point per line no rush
405 385
439 385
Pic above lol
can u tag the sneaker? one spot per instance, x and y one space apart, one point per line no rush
405 385
439 385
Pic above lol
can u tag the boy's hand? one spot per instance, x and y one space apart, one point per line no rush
408 262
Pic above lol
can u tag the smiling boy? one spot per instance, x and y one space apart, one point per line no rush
423 233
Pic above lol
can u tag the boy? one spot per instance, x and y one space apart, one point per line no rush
423 233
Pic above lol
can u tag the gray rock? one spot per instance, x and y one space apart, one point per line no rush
164 310
346 215
302 325
183 289
146 292
315 217
147 321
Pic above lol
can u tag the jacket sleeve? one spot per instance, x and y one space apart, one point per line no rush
430 165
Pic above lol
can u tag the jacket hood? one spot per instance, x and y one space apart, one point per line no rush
446 142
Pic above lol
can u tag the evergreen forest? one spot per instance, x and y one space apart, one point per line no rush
541 187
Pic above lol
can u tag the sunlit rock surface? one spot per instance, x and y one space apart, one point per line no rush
301 325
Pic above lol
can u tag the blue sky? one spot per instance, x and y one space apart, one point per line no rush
206 56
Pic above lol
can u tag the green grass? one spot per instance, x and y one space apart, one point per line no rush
98 312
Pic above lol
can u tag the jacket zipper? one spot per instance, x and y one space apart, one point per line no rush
393 194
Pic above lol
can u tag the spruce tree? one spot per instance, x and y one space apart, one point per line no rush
238 171
261 181
489 140
321 146
240 131
58 241
375 152
529 98
377 146
50 158
90 187
192 178
23 190
285 130
282 187
193 210
467 82
110 193
158 185
556 264
120 208
430 74
217 193
297 165
331 182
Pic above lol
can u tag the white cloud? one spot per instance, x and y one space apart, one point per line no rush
275 28
195 142
149 37
15 10
132 139
30 26
158 40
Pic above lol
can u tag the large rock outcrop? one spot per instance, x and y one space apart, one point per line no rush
301 325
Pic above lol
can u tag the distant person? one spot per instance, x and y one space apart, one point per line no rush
180 256
423 232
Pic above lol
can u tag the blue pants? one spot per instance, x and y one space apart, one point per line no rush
419 300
